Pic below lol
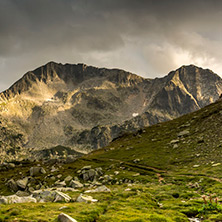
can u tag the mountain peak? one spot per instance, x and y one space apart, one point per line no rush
68 74
192 69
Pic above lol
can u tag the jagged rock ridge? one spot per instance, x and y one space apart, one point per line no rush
84 107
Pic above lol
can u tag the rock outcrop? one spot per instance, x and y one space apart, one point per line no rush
65 218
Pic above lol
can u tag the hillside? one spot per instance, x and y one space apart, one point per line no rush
84 108
156 174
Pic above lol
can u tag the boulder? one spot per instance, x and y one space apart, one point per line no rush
86 168
89 174
68 178
16 199
60 184
183 133
99 189
20 193
65 218
85 198
99 170
44 196
65 189
22 183
53 169
36 171
76 184
51 196
102 189
11 165
61 197
12 185
174 141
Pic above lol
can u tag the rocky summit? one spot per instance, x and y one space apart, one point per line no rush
66 110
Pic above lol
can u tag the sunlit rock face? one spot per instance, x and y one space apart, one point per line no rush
84 107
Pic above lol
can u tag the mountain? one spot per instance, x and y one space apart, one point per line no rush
81 107
168 172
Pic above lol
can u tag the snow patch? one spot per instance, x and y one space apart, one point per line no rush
49 100
135 114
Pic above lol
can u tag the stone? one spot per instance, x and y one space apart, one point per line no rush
174 141
183 133
75 184
127 189
175 146
31 189
12 185
68 178
96 183
51 196
60 184
65 218
20 193
36 171
63 207
44 196
116 172
65 189
16 199
85 198
53 178
11 165
86 168
22 183
136 160
99 189
99 170
90 175
53 169
102 188
61 197
216 164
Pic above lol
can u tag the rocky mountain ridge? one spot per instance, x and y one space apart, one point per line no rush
83 107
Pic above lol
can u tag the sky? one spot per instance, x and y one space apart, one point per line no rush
146 37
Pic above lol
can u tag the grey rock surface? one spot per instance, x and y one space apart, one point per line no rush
65 218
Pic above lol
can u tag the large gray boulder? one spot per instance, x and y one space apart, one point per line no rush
22 193
85 198
12 185
100 189
61 197
68 179
89 174
16 199
65 218
76 184
22 183
51 196
36 171
60 184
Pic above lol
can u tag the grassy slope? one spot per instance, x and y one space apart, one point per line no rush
171 181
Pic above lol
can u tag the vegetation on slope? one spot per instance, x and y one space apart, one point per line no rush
164 171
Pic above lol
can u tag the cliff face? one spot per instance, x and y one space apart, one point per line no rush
84 107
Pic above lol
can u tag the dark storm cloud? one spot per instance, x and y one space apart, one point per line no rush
146 37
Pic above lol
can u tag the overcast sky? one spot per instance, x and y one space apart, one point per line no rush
149 38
